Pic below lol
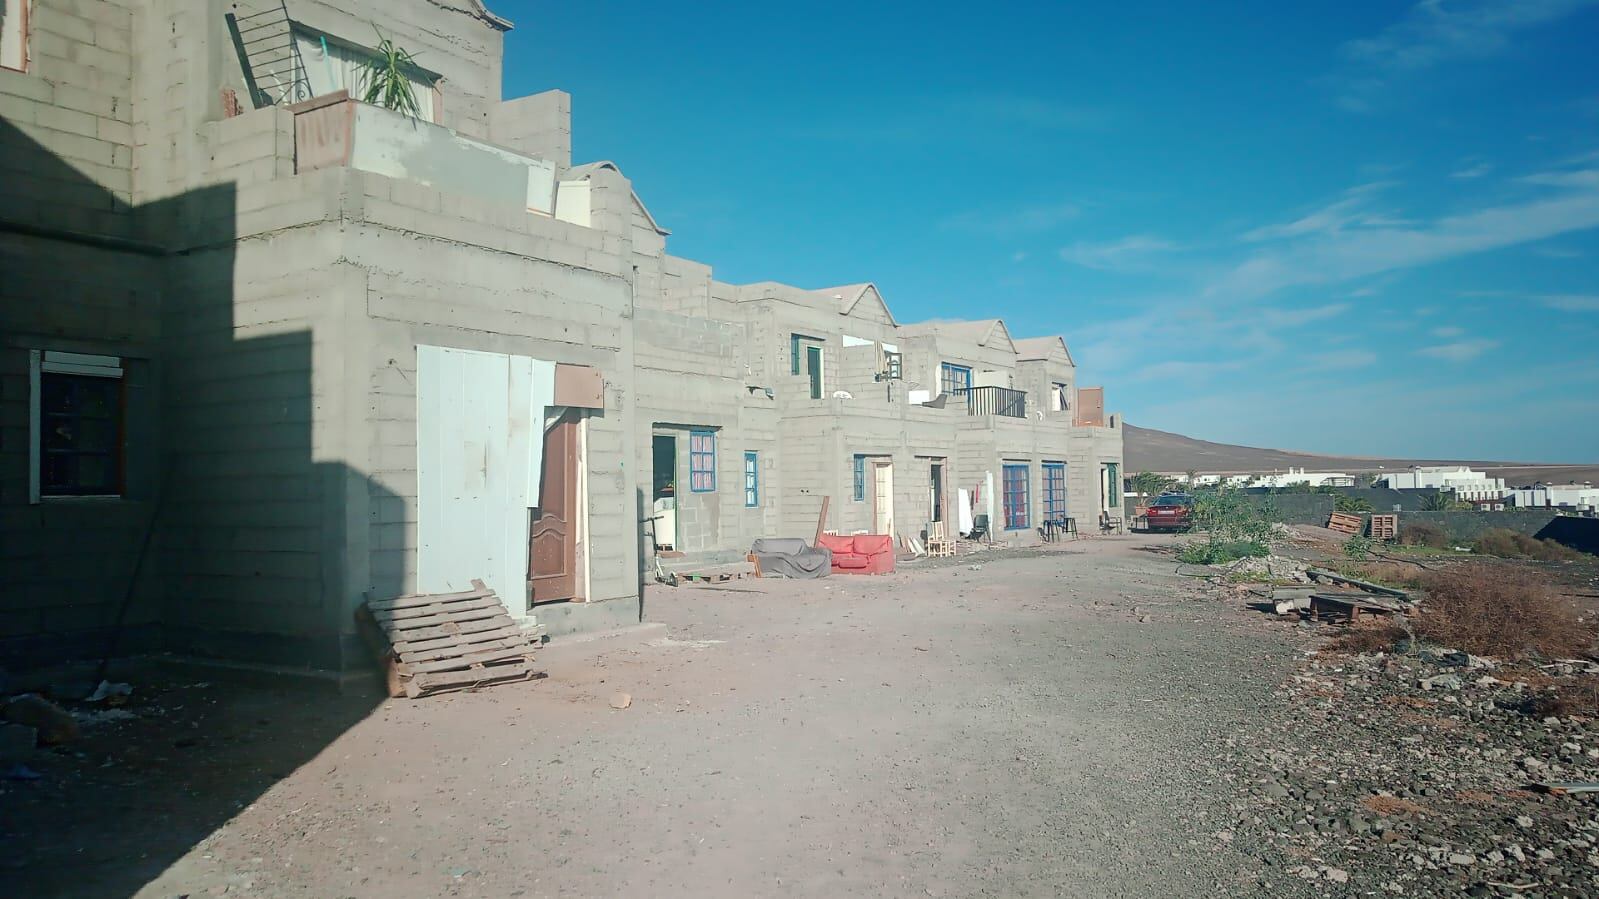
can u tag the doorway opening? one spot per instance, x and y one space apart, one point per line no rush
663 491
552 554
935 492
883 498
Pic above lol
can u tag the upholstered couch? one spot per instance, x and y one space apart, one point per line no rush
860 553
789 557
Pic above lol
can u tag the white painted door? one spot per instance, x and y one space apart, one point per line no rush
480 443
883 498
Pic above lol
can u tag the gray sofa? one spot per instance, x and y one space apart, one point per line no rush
791 557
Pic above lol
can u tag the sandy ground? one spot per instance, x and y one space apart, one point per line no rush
1047 724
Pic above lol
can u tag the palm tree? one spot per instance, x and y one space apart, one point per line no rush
388 78
1441 501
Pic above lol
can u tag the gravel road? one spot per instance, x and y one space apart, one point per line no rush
1053 724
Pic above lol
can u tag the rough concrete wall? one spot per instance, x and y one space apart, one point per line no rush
254 544
68 120
539 125
450 272
445 38
70 283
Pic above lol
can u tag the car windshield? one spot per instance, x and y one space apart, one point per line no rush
1173 499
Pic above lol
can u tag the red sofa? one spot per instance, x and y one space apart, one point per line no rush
860 553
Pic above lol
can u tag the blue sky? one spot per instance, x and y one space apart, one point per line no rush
1358 227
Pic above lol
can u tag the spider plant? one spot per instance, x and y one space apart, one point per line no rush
386 79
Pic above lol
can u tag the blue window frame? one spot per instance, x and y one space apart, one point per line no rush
858 490
702 461
953 377
752 480
1015 484
1054 490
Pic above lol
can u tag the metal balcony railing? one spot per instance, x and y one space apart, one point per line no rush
995 401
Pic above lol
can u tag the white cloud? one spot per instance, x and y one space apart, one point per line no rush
1580 178
1341 360
1435 32
1572 302
1293 318
1447 332
1345 254
1475 170
1027 220
1115 254
1461 351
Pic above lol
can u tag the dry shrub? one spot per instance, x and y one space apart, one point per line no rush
1580 698
1392 574
1508 544
1423 533
1389 806
1362 637
1499 612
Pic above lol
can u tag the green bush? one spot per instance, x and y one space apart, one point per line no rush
1212 552
1352 504
1508 544
1423 533
1358 546
1234 527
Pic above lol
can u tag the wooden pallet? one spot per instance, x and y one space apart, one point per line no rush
717 574
435 642
1385 527
1346 523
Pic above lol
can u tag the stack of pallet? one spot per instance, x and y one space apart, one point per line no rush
1385 527
435 642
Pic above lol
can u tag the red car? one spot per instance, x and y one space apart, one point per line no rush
1169 512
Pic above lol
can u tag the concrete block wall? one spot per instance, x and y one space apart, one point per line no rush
447 272
66 141
451 39
254 540
539 125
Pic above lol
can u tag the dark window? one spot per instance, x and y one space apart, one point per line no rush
894 365
858 489
954 377
752 480
1054 490
701 461
80 435
1015 496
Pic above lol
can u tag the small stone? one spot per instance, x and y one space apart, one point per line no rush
1545 855
1336 875
1275 790
1532 763
1523 821
621 700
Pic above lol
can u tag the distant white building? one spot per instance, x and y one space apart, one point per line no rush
1466 484
1581 497
1302 477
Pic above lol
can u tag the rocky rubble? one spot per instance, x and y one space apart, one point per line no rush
1415 775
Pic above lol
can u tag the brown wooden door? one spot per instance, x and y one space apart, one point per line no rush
552 537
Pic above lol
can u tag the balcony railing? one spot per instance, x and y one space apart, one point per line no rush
995 401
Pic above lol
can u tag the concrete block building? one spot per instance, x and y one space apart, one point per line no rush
266 349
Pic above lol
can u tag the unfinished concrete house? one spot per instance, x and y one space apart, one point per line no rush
266 349
788 396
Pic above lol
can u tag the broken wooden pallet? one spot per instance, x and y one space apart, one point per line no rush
1385 526
435 642
1346 523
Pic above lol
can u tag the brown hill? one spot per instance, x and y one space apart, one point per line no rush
1146 449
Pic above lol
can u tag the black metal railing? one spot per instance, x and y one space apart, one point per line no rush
995 401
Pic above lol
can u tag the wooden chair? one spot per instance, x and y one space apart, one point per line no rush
939 543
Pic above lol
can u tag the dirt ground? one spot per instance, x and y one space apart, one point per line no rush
1049 724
